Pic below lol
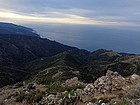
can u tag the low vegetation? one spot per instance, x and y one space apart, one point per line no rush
54 88
32 97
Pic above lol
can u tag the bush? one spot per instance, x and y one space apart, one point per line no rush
94 100
123 103
38 97
54 88
20 97
70 88
20 84
31 86
34 96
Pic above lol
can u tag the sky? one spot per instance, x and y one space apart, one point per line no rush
88 24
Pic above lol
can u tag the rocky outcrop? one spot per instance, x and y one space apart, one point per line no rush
64 98
109 83
107 90
135 78
73 82
51 99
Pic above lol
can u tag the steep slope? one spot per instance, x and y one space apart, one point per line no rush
20 49
17 50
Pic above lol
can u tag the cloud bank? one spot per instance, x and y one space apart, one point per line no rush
93 12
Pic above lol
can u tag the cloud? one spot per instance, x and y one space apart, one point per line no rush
100 12
58 17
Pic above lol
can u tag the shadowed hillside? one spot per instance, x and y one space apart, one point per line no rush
13 29
16 50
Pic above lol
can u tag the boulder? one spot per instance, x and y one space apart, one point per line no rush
113 81
135 77
109 73
89 89
73 82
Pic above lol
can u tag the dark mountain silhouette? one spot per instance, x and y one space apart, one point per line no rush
21 49
12 29
19 45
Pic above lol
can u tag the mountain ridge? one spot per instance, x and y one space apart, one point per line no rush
13 29
39 71
49 61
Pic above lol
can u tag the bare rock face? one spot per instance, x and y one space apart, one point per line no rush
73 82
135 102
89 89
51 99
106 90
113 81
133 95
109 73
64 98
135 78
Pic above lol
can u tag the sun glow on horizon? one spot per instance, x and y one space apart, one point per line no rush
67 19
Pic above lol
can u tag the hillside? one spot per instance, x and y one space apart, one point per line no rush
22 49
87 66
46 61
33 69
109 89
13 29
17 50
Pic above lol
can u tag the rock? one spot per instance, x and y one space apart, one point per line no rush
73 82
51 99
135 102
104 104
138 87
90 103
109 83
89 89
107 88
116 73
109 73
101 80
134 77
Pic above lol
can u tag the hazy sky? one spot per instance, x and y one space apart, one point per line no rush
100 12
89 24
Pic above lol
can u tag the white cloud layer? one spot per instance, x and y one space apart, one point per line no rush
96 12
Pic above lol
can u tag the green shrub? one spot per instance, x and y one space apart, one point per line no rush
20 84
54 88
38 97
94 100
70 88
32 97
20 97
123 103
31 86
